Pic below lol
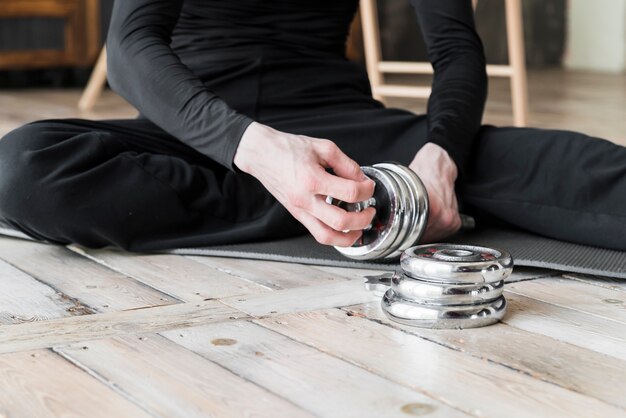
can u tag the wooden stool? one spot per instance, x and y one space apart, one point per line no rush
376 67
96 83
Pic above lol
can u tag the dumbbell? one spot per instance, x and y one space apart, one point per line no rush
446 286
401 203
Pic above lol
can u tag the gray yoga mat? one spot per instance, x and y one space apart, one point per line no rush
527 250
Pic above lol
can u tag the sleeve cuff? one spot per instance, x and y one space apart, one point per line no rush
238 126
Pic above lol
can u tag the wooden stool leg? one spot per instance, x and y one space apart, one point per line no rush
96 83
517 60
371 43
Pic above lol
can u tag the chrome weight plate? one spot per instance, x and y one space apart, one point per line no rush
451 263
401 203
442 316
421 291
386 225
404 211
417 206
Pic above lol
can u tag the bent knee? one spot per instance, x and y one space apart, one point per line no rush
18 173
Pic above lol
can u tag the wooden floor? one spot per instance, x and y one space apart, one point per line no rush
95 333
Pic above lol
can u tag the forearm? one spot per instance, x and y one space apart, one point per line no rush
143 69
438 173
459 89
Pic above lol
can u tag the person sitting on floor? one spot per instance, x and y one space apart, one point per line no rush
250 115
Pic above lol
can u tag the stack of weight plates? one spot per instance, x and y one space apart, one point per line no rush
448 286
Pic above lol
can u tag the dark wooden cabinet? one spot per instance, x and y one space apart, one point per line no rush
80 26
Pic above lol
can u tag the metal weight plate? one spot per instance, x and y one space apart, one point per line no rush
404 211
386 224
418 206
442 316
451 263
421 291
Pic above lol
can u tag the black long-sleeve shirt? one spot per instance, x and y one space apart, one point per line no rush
157 48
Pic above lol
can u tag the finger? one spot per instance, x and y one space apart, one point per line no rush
326 235
341 164
344 189
340 219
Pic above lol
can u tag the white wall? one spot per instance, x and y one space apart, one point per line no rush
596 35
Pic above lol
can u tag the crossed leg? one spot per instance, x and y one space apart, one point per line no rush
130 185
126 184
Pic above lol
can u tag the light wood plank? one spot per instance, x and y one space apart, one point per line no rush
608 282
271 274
462 381
24 299
329 295
350 273
568 325
178 276
27 336
317 382
93 285
530 273
594 300
170 381
580 370
32 335
42 384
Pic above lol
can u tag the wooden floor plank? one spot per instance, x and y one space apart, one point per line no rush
607 282
462 381
42 384
170 381
530 273
323 296
271 274
349 272
93 285
580 370
178 276
568 325
26 336
316 382
594 300
32 335
24 299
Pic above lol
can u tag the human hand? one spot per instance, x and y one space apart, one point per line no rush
293 169
438 172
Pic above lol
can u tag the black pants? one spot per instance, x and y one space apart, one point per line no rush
129 184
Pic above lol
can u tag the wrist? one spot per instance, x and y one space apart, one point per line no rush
248 146
432 157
